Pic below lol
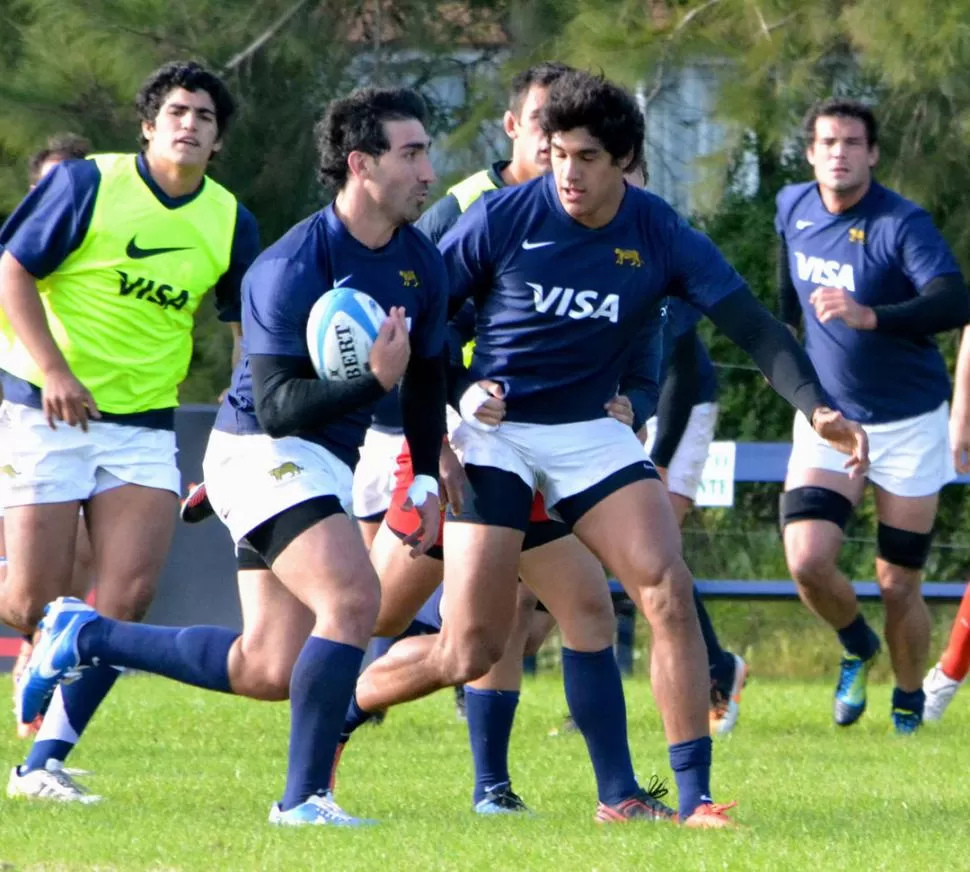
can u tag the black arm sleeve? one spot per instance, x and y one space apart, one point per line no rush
789 309
423 412
751 327
678 396
943 304
290 399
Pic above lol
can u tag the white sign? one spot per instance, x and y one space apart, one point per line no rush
717 480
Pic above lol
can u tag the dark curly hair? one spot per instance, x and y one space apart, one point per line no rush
840 107
356 123
60 146
183 74
607 111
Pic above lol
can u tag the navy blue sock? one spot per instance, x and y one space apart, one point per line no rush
859 639
72 707
355 717
594 694
909 700
322 684
490 714
719 661
193 655
691 762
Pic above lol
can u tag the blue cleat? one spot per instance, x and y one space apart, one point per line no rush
906 722
500 799
316 811
850 693
54 658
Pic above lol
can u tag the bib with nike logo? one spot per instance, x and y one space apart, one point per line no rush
120 307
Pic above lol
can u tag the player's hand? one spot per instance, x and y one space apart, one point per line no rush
65 399
452 476
620 408
483 404
845 436
423 498
960 439
834 303
391 351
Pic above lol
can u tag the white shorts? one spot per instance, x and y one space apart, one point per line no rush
687 465
374 475
908 458
252 477
41 465
559 460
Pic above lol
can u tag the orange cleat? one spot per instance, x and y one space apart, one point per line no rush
711 816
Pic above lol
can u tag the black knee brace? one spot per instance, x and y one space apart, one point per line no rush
814 504
902 547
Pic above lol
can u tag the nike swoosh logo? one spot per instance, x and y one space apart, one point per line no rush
528 246
801 225
46 667
136 253
343 281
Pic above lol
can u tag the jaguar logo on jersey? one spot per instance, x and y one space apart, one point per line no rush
287 469
828 273
857 235
160 294
627 256
9 471
409 278
576 304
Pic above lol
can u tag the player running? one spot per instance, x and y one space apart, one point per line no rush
874 281
105 264
278 468
568 273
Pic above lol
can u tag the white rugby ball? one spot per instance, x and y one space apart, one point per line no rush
342 328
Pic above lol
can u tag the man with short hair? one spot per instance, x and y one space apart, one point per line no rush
873 281
104 265
568 273
279 465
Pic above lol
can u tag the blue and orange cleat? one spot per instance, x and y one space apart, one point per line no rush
711 816
905 722
850 693
645 805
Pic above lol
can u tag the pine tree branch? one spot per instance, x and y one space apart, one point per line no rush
667 43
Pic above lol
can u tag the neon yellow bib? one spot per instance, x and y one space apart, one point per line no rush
121 306
467 192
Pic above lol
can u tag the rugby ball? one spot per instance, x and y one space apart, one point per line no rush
342 327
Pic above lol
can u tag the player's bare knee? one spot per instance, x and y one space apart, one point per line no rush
669 600
355 606
129 602
21 610
470 657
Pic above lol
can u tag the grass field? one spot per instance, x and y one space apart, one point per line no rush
189 777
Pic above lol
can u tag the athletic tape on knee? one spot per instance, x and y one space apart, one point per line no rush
814 504
903 547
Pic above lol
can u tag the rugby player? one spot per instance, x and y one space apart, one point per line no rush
104 265
873 281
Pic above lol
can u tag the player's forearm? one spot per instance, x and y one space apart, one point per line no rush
290 400
772 348
961 385
423 412
677 397
944 304
21 302
789 307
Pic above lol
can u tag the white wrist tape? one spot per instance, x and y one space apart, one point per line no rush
471 401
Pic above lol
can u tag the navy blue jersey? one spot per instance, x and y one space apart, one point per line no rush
53 220
387 414
681 318
883 250
292 274
563 311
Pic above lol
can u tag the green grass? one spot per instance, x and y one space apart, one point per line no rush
189 778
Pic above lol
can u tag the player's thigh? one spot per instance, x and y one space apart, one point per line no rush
368 531
814 510
82 577
131 528
275 625
406 581
572 585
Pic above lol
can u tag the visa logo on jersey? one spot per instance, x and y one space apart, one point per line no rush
575 304
829 273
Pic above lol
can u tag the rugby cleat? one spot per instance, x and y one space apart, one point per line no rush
53 782
726 701
196 506
711 816
501 799
316 811
905 722
54 658
850 692
940 690
646 804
